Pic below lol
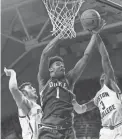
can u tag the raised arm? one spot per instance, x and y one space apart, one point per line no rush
76 72
43 73
80 109
106 63
107 66
20 100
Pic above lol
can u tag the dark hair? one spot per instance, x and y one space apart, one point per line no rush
21 87
54 59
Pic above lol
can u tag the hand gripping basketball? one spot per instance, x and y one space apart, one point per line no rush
100 27
9 72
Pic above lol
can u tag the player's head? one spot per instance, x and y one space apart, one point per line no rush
102 79
28 90
56 67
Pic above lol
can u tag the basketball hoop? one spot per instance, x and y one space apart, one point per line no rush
62 14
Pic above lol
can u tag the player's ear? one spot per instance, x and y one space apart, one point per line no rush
50 69
24 92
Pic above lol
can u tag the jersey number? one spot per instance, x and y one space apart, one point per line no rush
103 106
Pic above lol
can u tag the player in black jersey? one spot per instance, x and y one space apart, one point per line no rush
56 89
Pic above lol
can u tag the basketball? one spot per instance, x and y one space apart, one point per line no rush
90 19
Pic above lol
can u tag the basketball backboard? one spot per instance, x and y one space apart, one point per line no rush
113 3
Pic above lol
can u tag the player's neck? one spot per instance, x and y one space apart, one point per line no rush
58 78
33 100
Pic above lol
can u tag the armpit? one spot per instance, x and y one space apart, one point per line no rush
26 105
70 79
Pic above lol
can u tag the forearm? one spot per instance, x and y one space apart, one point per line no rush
13 87
80 109
50 47
48 51
90 105
102 50
87 53
106 63
91 45
76 72
84 107
13 82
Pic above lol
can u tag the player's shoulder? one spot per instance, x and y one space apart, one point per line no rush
108 86
38 108
35 105
100 91
21 114
42 87
69 80
68 74
104 86
35 109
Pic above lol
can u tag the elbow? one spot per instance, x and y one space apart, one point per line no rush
111 75
44 54
13 88
111 72
86 57
79 110
38 77
105 58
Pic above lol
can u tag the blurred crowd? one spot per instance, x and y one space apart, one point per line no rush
87 125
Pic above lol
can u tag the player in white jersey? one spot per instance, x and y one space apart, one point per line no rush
29 111
108 99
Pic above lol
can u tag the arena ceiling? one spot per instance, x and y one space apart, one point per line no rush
26 29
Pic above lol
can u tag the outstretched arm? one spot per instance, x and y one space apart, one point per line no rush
80 109
107 66
76 72
20 100
43 73
106 63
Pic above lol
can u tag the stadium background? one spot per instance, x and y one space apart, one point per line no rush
25 31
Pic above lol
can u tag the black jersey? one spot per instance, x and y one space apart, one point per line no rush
56 99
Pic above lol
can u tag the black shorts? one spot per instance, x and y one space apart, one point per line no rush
49 133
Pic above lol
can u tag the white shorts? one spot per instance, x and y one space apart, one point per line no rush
106 133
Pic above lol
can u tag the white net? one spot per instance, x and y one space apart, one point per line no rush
62 14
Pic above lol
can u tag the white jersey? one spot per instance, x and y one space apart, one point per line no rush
29 123
109 105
